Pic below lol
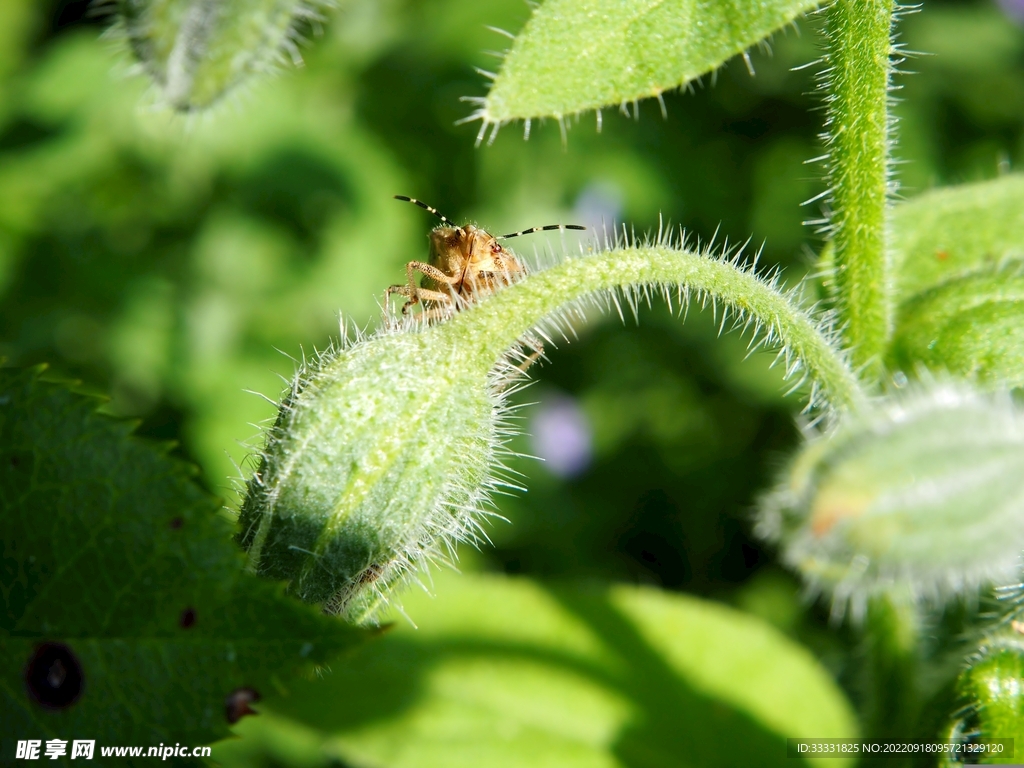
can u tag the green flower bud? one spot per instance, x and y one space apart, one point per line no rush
922 492
196 51
383 456
992 694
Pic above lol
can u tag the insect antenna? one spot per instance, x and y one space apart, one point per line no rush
425 207
531 230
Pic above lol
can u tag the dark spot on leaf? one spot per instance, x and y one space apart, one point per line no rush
176 523
236 705
188 618
941 255
54 676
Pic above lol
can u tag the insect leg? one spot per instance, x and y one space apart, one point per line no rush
428 295
437 313
538 352
514 374
417 294
401 290
424 295
430 271
414 293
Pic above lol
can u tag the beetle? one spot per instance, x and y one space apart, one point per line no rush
465 262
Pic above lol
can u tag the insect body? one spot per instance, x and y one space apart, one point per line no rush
465 262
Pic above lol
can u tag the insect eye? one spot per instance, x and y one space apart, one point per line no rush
495 248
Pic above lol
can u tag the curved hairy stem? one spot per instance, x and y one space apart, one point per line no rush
504 318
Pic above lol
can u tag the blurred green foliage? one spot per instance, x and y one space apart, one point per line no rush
165 260
598 676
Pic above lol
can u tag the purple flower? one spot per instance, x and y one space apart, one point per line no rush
1014 9
561 436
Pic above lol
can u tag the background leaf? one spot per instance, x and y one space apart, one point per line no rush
972 326
954 231
574 56
505 672
957 253
112 553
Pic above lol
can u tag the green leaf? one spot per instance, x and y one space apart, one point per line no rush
574 56
955 252
961 307
117 565
972 326
506 672
949 233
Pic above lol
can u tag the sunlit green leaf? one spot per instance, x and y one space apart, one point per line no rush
127 616
505 672
575 56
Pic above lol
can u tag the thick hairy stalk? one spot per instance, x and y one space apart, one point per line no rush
859 60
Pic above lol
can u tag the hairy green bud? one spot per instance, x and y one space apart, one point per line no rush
383 455
993 698
922 493
196 51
